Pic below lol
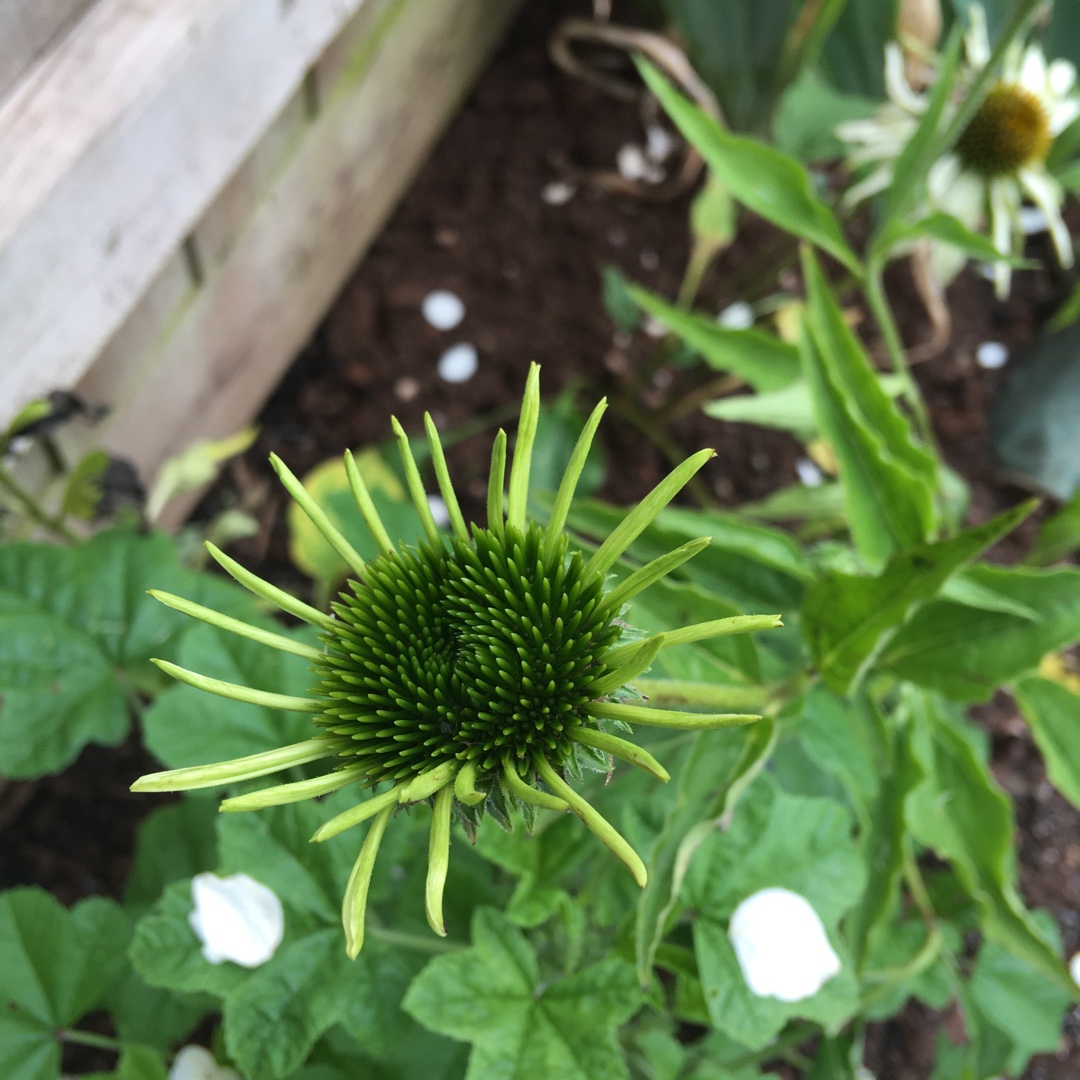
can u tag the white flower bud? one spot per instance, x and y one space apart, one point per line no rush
781 945
196 1063
236 918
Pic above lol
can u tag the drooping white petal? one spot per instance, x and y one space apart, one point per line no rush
942 176
1033 72
1001 231
197 1063
1045 192
877 181
236 918
977 40
896 84
1063 113
781 945
1061 75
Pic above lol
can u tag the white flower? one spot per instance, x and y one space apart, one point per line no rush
196 1063
999 158
236 918
781 945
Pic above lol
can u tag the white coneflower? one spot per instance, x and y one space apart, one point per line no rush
999 158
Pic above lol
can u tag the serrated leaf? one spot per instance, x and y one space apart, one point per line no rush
966 653
75 629
705 789
769 183
56 965
523 1026
1052 712
848 618
963 815
888 479
775 839
759 359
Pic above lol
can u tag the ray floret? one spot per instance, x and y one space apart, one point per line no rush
475 664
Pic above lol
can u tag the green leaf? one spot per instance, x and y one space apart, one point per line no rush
557 431
966 653
56 965
523 1025
949 230
82 491
759 359
1052 711
849 618
1017 1001
619 305
75 628
136 1063
775 839
1059 536
889 480
174 842
706 788
963 815
766 181
186 726
808 116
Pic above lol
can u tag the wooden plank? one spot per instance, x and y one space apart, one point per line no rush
116 143
254 313
27 28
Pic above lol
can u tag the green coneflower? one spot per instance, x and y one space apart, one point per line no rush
468 670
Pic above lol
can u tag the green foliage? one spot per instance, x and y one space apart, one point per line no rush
519 1022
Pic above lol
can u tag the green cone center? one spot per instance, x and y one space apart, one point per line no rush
474 651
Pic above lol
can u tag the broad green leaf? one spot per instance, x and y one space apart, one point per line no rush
809 112
152 1016
174 842
705 789
889 479
186 726
1018 1002
848 619
56 965
1052 711
759 359
966 653
818 506
963 815
775 839
76 629
788 409
521 1024
769 183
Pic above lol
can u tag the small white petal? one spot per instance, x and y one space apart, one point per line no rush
437 504
443 309
1047 195
991 355
1061 75
459 363
737 316
558 192
197 1063
1074 969
809 474
977 40
1062 114
1033 74
781 945
236 918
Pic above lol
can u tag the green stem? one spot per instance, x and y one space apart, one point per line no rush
436 946
88 1038
874 291
32 509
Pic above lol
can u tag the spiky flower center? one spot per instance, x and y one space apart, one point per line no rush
473 651
1010 130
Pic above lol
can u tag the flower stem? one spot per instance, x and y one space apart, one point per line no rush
33 510
89 1038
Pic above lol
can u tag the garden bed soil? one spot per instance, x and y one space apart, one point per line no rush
529 272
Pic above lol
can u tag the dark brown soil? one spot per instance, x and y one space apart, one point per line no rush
529 274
